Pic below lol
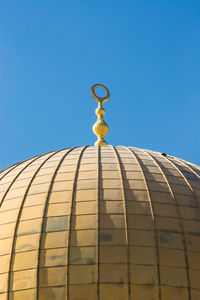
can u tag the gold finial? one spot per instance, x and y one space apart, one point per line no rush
100 128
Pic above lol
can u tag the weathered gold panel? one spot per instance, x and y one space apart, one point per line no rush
21 280
83 255
25 260
54 276
53 257
27 242
52 293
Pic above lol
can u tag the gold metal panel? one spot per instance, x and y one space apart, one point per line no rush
143 255
112 221
46 171
140 222
25 260
53 276
3 296
88 184
87 167
57 223
37 199
168 239
27 242
115 273
111 194
84 222
85 208
192 227
8 216
112 237
32 212
15 193
11 204
87 175
110 183
143 274
136 195
109 207
109 174
112 254
172 258
195 278
82 255
68 168
7 230
165 223
132 175
3 283
85 195
38 188
162 197
58 209
64 176
165 210
177 293
42 179
190 213
88 291
144 292
29 226
186 200
134 207
195 294
57 197
53 257
5 246
134 184
51 293
21 280
62 186
83 238
82 274
194 259
54 239
173 277
113 291
141 238
158 186
4 263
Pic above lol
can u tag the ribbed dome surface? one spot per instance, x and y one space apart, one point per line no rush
108 223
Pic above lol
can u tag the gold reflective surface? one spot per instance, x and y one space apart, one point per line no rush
100 223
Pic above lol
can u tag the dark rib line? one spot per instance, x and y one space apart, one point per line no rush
155 225
70 218
126 221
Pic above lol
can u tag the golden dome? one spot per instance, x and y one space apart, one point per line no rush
100 223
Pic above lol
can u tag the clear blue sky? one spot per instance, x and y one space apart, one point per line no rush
146 52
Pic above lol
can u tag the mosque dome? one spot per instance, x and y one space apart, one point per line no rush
100 223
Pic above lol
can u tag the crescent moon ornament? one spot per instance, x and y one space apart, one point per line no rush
97 98
100 128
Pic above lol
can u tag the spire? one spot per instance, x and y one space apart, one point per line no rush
100 128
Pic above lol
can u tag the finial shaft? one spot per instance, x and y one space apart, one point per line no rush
100 128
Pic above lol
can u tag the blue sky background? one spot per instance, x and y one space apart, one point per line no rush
146 52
